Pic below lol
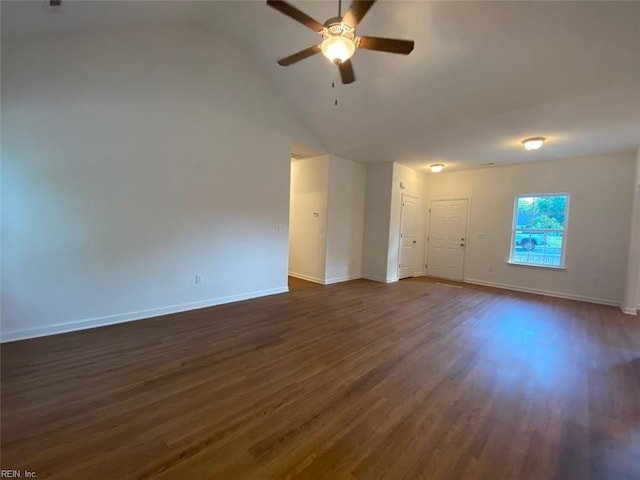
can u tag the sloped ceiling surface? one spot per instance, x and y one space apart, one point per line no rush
483 75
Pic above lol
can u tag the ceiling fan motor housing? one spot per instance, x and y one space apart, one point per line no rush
335 27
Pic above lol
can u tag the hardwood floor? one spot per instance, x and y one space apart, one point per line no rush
359 380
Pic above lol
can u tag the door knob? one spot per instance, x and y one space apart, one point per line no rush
462 244
415 241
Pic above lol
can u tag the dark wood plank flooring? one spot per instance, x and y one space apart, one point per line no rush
359 380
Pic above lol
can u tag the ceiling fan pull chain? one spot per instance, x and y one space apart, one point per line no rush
339 8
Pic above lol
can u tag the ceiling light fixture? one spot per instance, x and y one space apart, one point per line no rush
338 43
437 167
533 143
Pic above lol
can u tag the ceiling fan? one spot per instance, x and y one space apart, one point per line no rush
339 41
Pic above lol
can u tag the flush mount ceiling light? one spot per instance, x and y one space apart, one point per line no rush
437 167
533 143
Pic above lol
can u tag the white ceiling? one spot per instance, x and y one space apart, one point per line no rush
483 75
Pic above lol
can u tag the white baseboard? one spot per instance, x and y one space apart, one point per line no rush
548 293
131 316
328 281
374 278
629 310
345 278
380 279
308 278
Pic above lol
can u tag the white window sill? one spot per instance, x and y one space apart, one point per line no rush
551 267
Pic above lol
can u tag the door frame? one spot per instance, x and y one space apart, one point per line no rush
402 197
466 231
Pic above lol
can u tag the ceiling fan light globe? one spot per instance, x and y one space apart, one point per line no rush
338 49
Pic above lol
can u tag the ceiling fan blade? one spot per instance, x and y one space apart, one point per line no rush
291 11
357 10
301 55
391 45
55 3
346 72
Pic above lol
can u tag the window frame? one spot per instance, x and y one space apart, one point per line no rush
514 229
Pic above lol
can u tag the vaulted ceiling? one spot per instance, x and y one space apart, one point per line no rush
483 75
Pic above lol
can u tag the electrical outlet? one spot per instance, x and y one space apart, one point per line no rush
198 279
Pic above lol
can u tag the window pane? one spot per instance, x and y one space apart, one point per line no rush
554 241
525 205
557 220
527 240
529 247
520 254
557 204
540 205
525 220
541 220
548 221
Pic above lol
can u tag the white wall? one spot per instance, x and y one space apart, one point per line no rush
346 220
414 183
636 230
383 212
308 233
601 191
376 222
327 248
631 301
132 161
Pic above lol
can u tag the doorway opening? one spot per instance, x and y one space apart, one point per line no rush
307 215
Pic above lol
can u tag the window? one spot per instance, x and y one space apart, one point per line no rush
539 230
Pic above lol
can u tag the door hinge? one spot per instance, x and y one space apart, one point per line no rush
427 238
426 265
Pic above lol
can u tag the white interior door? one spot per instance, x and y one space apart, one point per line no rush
408 227
447 238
